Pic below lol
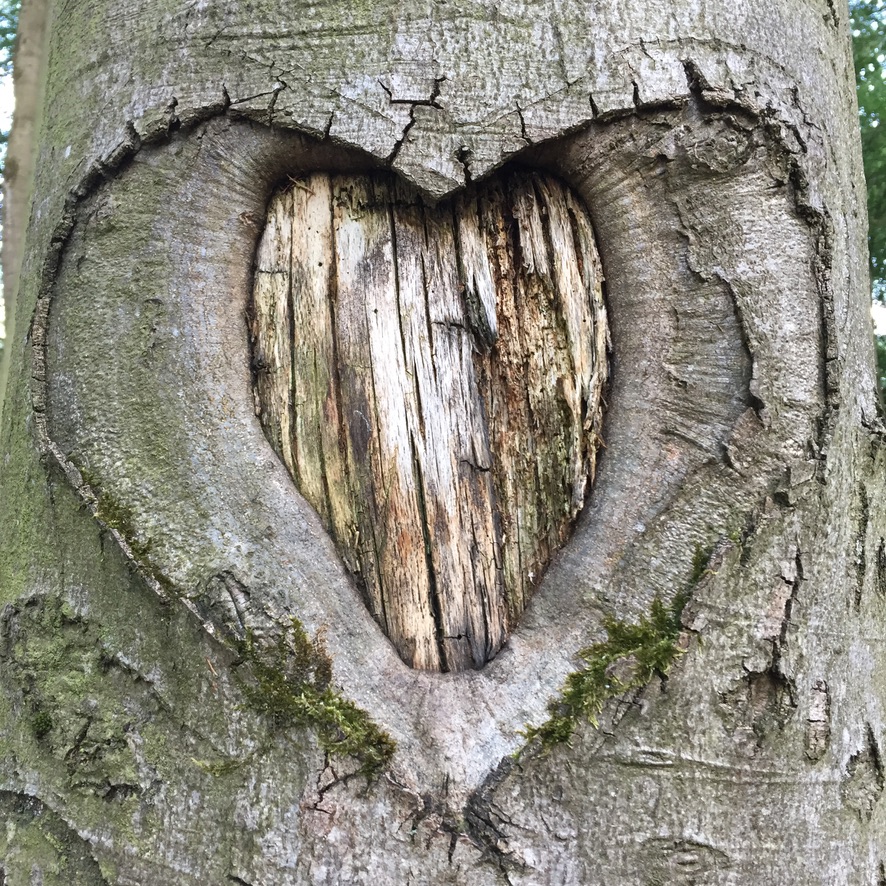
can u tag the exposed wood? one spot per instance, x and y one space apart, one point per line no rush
433 378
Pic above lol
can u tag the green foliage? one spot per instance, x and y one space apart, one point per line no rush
868 21
292 687
9 10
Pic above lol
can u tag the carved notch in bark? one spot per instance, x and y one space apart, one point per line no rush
432 377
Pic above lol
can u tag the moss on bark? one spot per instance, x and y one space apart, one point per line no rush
291 684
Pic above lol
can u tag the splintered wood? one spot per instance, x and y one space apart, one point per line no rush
432 378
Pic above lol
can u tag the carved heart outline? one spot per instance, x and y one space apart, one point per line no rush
237 512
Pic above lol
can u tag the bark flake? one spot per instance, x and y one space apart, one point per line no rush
865 779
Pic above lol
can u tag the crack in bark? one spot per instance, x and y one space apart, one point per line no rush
238 594
833 16
881 567
788 610
430 102
865 778
595 111
335 781
861 532
483 821
818 723
434 594
523 134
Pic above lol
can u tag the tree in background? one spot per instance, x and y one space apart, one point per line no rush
868 23
9 10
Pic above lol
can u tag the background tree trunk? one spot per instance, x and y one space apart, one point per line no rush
193 690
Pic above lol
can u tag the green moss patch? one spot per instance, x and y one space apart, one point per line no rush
291 684
630 656
41 724
37 846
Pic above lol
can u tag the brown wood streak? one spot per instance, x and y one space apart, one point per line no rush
432 378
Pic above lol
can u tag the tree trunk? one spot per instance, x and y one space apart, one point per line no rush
194 689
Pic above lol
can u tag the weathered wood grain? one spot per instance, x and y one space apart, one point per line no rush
440 404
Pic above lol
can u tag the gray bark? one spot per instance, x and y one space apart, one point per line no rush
146 520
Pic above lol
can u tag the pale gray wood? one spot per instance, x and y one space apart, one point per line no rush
457 357
273 354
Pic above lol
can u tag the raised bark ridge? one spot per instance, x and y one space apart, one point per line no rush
432 378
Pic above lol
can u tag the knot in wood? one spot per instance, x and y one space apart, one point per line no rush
432 378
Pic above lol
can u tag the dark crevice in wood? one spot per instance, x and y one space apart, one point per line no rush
321 450
379 494
861 544
780 643
433 596
429 329
293 373
336 364
397 295
881 568
877 758
748 397
489 651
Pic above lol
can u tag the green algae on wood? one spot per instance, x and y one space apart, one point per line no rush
632 654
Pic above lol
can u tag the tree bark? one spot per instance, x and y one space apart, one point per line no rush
192 688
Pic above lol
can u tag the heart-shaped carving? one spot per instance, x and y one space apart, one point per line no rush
432 378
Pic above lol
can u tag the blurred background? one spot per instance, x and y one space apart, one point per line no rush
8 23
868 24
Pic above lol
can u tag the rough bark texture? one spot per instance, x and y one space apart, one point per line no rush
432 378
154 551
